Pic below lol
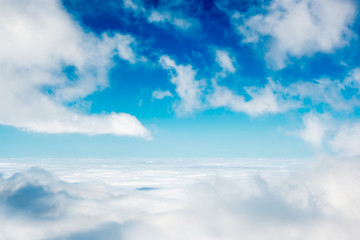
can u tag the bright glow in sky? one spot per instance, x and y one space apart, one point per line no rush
193 88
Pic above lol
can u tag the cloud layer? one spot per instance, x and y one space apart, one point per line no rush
319 203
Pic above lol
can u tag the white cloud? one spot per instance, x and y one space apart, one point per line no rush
224 60
341 138
320 92
346 140
38 40
187 87
315 128
320 201
353 79
263 100
164 14
167 17
299 28
159 94
133 5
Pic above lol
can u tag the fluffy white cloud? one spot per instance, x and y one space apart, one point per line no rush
224 60
271 98
159 94
340 137
299 28
315 128
187 87
321 201
263 100
47 61
346 140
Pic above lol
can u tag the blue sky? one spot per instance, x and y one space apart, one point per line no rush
140 119
228 79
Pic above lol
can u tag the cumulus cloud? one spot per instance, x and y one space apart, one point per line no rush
346 139
340 137
332 97
329 95
263 100
315 128
298 28
48 62
159 94
321 201
187 87
324 93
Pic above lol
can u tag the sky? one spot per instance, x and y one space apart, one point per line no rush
276 79
142 120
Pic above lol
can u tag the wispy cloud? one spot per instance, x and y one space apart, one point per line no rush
187 87
163 14
224 60
133 5
321 91
159 94
315 128
167 17
48 61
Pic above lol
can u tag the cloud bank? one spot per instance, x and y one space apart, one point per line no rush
321 202
48 63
